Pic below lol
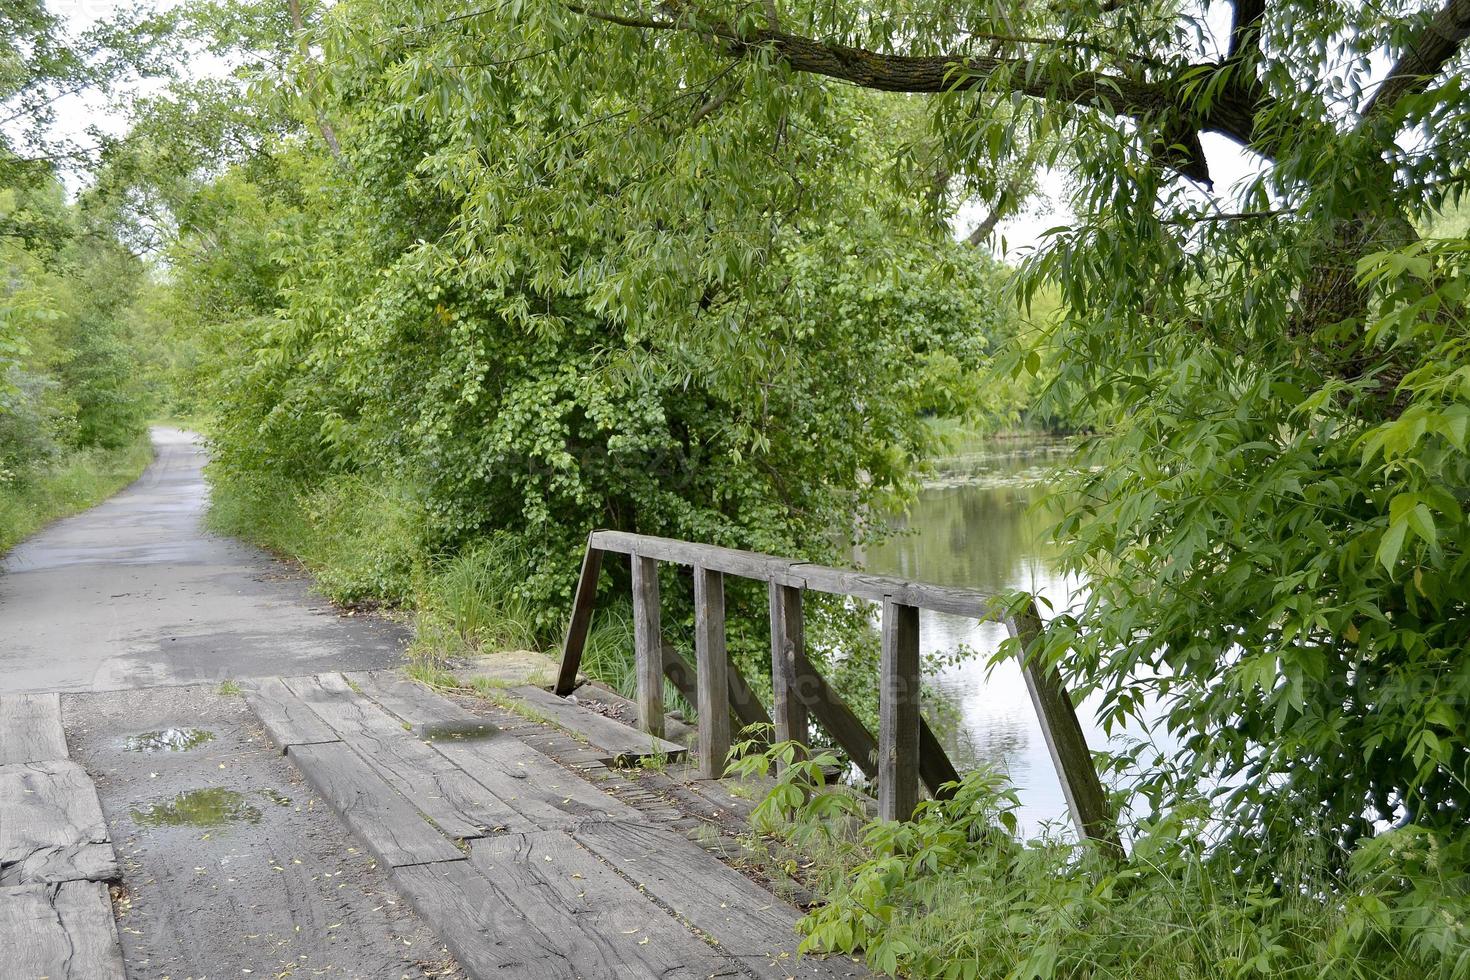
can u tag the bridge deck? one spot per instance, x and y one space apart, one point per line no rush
522 867
55 852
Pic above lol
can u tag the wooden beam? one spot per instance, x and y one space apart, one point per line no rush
621 744
833 714
580 624
680 674
648 648
935 767
745 707
1091 812
788 647
898 713
800 574
745 703
848 731
713 676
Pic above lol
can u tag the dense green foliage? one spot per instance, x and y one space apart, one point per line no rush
72 399
1272 514
1303 557
464 335
458 285
75 352
955 894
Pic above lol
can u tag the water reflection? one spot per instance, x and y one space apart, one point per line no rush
168 740
976 526
212 807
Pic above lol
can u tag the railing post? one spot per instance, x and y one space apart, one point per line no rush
1065 740
712 678
898 713
648 649
581 622
787 647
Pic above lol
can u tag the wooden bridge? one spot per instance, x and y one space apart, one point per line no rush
527 851
906 750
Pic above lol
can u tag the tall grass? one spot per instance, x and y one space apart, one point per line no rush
360 538
363 542
31 500
468 602
957 895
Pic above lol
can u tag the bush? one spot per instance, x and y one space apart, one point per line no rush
66 485
362 541
955 894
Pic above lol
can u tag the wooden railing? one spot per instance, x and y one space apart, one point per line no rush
906 749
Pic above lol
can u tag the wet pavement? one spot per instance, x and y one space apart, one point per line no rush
135 593
232 866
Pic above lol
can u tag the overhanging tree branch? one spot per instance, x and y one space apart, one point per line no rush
1440 41
1125 94
1245 27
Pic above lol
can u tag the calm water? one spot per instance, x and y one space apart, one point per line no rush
975 526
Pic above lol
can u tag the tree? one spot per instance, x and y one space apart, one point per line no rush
1296 598
42 64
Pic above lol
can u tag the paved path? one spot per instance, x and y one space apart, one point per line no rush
222 862
134 593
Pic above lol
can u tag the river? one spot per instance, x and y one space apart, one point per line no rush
976 525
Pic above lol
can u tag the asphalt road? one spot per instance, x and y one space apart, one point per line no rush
135 593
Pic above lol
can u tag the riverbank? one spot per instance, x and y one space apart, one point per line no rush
32 499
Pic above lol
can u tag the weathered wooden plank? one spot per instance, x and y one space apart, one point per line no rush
59 932
1091 812
390 826
620 743
535 786
580 917
51 825
648 653
458 805
718 794
788 647
732 561
488 935
580 623
898 713
286 717
714 671
877 588
746 921
802 575
30 728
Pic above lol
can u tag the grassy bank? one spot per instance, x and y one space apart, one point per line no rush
363 542
958 895
32 499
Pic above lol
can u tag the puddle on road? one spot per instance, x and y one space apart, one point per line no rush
169 740
214 807
276 797
457 731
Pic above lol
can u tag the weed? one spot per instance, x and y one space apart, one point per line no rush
33 499
956 894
